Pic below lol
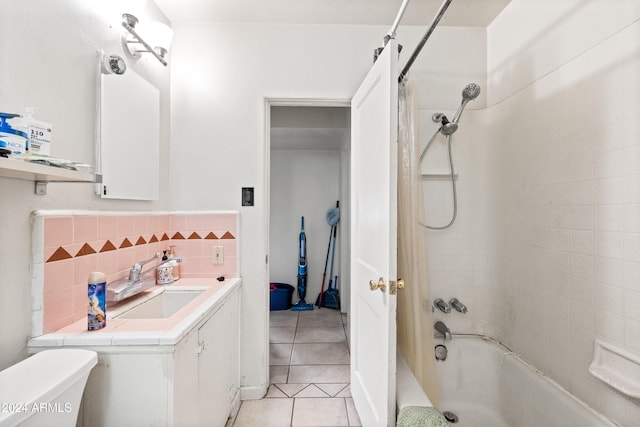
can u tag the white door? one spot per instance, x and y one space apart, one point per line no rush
374 116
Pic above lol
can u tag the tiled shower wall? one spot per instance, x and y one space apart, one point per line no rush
67 246
564 163
546 248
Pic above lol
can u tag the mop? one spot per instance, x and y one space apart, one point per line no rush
302 272
330 297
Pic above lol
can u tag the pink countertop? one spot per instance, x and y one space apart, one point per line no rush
167 331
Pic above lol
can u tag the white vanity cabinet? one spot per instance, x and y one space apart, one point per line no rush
207 371
193 381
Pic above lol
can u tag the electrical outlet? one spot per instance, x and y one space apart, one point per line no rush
218 255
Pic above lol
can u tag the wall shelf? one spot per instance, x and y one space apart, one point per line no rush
617 367
43 174
436 175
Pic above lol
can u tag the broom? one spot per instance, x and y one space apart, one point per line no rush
333 216
329 298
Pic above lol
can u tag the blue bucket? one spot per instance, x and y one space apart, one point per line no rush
281 294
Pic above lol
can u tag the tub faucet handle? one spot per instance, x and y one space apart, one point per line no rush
458 305
442 305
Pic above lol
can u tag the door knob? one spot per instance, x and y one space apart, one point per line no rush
378 284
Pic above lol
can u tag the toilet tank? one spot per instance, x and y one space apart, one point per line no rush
46 388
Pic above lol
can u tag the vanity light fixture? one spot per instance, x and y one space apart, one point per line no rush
158 35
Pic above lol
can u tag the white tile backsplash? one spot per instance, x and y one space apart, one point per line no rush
632 334
608 191
581 241
608 217
610 327
581 193
631 247
581 217
631 275
609 271
608 244
631 189
609 298
632 305
631 218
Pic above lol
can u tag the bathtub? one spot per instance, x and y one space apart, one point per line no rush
484 384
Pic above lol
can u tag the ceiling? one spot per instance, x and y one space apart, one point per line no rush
474 13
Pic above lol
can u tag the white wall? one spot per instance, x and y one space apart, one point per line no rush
221 76
303 183
49 62
546 252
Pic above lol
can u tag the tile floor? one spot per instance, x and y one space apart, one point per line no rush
309 374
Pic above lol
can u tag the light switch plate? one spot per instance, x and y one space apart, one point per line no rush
247 196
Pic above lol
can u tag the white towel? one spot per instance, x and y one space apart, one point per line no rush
420 416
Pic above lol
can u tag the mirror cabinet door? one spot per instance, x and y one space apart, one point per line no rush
129 137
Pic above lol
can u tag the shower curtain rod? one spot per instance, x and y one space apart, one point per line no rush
392 31
416 52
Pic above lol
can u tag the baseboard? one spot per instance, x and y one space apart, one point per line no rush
253 392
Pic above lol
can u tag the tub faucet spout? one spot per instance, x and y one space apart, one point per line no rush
443 329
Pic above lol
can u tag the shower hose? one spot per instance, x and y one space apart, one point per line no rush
453 186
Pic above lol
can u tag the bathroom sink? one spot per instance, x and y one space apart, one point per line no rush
162 305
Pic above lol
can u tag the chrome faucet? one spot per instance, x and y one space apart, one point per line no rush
134 284
136 270
442 306
442 328
458 305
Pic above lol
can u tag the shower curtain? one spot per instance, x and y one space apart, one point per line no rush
415 327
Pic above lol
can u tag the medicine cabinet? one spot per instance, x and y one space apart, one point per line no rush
128 137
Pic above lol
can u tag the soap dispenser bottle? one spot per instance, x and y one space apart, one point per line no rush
176 262
164 272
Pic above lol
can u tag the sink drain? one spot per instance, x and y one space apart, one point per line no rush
450 416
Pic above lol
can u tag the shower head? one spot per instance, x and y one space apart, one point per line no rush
449 128
469 93
446 127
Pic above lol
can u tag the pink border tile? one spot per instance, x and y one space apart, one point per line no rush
83 266
58 308
228 222
141 224
108 262
108 227
58 231
85 228
58 276
126 226
177 222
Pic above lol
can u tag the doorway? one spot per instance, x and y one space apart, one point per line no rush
309 162
308 147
